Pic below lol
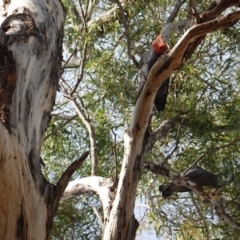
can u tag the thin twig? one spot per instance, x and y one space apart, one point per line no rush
91 132
114 149
54 131
98 216
210 152
81 68
63 182
176 146
82 15
67 61
201 216
89 9
127 34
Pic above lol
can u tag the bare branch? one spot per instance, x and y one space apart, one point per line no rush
70 61
107 16
98 215
92 137
114 149
82 15
81 67
98 185
89 9
59 127
175 11
63 182
163 130
127 34
210 151
171 26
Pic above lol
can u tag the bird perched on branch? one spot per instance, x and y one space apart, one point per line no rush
147 61
197 175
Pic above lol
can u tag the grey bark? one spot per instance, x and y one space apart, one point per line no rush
30 61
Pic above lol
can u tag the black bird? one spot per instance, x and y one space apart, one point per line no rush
158 48
197 175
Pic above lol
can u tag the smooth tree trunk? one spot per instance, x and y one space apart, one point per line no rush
30 61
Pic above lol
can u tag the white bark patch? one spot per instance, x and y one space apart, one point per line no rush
36 49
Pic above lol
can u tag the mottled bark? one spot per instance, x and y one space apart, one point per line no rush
30 61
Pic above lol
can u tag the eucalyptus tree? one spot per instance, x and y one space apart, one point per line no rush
98 115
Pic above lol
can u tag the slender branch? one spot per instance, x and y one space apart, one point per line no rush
63 182
201 216
106 16
89 9
98 215
68 61
127 34
210 152
171 26
175 11
163 130
114 149
81 68
82 15
92 137
54 131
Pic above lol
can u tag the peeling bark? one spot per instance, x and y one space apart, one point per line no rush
30 61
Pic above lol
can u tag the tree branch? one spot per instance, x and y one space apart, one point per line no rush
163 130
54 131
175 11
199 210
98 185
137 135
63 182
179 180
107 16
168 63
171 26
127 34
92 137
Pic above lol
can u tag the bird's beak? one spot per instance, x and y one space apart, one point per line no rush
159 40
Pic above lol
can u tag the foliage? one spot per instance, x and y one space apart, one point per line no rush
206 90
